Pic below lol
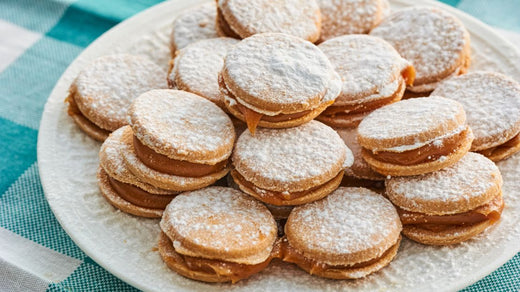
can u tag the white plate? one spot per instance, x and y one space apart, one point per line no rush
126 245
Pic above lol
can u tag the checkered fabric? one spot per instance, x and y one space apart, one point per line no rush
38 40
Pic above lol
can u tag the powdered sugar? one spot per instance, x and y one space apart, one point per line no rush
433 40
368 66
181 124
193 25
281 69
492 105
347 221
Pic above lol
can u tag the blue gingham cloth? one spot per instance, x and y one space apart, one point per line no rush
38 40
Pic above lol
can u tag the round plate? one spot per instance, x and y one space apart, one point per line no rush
127 246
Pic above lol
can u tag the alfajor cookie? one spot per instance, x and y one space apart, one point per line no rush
450 205
276 80
179 141
193 25
436 42
244 18
415 136
290 166
196 68
121 187
217 234
348 235
341 17
373 75
100 95
492 105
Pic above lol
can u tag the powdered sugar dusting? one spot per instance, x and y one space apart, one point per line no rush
193 25
469 178
288 159
433 40
281 69
181 124
365 64
492 105
347 221
108 85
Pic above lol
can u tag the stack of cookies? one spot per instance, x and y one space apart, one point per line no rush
312 132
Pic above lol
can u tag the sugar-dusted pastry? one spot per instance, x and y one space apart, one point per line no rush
193 25
102 92
348 235
276 80
341 17
197 66
290 166
450 205
244 18
415 136
121 187
373 75
179 141
217 234
492 105
436 42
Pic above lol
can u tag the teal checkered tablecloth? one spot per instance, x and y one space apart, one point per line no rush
38 40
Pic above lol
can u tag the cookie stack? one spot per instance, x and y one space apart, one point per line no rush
334 159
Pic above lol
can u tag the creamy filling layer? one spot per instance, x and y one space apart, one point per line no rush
73 110
513 142
164 164
138 196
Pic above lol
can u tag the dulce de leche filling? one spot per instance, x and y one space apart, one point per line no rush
73 110
164 164
291 255
235 271
427 153
513 142
138 196
490 211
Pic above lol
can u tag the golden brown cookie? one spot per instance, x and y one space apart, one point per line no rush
436 42
243 18
415 136
450 205
290 166
277 81
348 235
492 105
100 95
373 75
217 234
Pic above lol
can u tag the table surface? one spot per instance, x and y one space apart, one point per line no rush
38 40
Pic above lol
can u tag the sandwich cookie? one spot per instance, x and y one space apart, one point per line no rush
180 141
437 44
415 136
492 104
290 166
243 18
217 234
101 94
350 16
373 75
122 188
348 235
450 205
275 80
196 68
193 25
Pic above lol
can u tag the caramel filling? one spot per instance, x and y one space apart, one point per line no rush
234 271
409 75
291 255
490 211
164 164
513 142
138 196
73 110
274 197
427 153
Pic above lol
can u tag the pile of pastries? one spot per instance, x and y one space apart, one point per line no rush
312 132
